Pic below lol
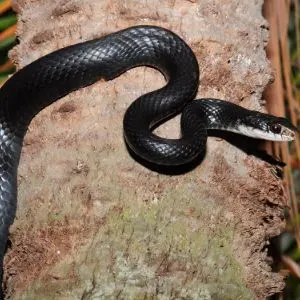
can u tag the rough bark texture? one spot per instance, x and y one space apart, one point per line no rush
92 222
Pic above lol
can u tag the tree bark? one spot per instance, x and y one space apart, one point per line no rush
92 222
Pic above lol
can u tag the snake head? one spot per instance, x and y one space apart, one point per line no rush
268 127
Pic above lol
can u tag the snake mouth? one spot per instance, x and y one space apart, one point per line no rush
288 134
285 135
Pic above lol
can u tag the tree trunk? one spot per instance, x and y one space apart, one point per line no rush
92 222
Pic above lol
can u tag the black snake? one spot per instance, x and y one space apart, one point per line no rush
53 76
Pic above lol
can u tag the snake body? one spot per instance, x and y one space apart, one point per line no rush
53 76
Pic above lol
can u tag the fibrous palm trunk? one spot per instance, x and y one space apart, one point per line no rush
95 224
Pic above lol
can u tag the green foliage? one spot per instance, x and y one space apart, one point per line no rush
7 41
7 21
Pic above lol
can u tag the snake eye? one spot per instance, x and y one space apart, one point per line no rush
275 128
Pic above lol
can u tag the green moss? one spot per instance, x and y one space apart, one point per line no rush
166 248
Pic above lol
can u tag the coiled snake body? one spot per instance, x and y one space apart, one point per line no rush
51 77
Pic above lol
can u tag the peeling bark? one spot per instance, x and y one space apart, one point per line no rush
93 223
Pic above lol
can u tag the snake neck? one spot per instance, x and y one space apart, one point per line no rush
216 114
